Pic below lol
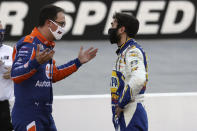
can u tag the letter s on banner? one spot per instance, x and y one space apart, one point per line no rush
68 7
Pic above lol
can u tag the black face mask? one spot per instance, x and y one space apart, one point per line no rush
1 37
113 37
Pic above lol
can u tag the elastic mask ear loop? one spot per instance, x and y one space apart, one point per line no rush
55 23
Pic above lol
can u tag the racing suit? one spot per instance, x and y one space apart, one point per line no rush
33 84
128 83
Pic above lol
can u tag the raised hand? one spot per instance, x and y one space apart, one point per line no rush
44 56
85 56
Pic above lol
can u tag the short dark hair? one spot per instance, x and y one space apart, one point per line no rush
49 12
130 23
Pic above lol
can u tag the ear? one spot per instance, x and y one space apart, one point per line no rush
48 23
122 29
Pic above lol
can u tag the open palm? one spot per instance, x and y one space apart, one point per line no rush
85 56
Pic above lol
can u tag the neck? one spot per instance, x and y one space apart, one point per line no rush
45 32
123 39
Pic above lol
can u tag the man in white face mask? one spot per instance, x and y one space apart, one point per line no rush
60 31
52 26
34 70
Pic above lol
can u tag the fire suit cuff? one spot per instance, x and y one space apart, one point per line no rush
77 62
34 64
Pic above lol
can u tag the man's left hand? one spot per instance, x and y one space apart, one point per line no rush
86 55
118 110
7 75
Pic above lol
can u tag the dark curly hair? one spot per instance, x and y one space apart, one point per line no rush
130 23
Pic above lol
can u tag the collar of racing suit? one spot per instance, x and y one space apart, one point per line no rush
122 46
37 34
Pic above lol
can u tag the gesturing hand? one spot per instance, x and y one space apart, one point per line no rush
86 55
44 56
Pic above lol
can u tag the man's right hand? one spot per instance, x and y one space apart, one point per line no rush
44 56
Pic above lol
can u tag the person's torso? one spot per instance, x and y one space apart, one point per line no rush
39 86
120 77
6 88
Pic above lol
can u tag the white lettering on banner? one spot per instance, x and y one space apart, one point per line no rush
145 15
68 7
82 15
16 20
43 84
84 18
169 25
118 6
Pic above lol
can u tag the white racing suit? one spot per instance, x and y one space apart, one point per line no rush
128 84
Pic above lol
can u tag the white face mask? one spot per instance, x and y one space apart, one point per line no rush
59 32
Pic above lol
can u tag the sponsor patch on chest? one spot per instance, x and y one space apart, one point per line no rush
43 84
48 71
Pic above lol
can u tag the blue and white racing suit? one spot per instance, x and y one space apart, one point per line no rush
128 84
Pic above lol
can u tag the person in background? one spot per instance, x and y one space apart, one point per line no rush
34 70
129 75
6 84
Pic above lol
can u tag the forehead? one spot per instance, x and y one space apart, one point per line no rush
60 16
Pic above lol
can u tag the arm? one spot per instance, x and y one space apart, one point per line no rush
24 64
60 72
135 76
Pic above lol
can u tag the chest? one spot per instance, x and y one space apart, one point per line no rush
45 71
120 63
6 57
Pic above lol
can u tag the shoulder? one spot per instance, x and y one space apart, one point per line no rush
27 41
133 49
133 52
7 49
